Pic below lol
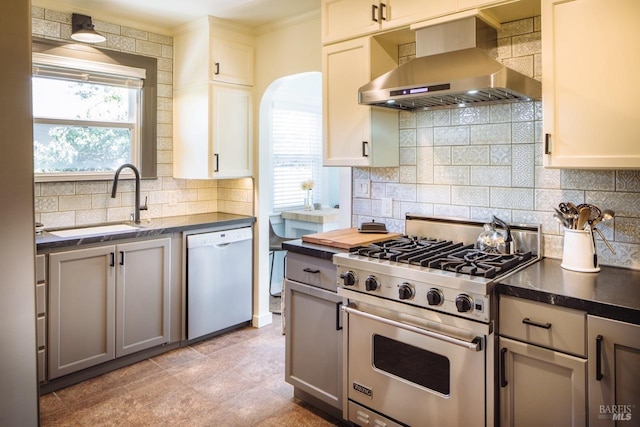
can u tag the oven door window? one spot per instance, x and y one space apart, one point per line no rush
416 365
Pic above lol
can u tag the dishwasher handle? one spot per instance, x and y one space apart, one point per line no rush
219 238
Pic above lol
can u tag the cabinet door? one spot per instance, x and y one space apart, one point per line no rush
213 133
81 309
356 135
540 387
142 295
313 333
231 139
614 372
344 19
231 62
589 79
191 148
396 13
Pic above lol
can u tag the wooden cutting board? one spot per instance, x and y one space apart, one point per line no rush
347 238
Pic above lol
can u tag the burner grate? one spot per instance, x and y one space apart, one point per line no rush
443 255
478 263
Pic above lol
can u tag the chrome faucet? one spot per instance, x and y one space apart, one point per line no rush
138 208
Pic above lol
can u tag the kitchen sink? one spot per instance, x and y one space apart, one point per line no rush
87 231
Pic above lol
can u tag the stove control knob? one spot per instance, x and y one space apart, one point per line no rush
435 297
464 303
349 278
405 291
371 284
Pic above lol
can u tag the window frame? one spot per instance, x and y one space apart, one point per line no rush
147 147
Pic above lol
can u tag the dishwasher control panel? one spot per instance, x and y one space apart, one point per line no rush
219 237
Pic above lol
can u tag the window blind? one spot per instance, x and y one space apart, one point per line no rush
63 68
297 154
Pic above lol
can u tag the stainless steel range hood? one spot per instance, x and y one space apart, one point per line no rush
454 67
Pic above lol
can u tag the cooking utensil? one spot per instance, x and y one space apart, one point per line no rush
594 211
491 240
583 217
562 220
570 212
604 239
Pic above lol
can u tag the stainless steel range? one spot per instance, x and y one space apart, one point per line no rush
419 342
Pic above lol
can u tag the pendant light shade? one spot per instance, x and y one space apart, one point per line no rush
82 30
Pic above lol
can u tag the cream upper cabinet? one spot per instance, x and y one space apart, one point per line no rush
357 135
590 69
213 50
232 62
213 101
212 129
345 19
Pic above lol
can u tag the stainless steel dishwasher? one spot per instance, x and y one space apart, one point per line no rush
219 280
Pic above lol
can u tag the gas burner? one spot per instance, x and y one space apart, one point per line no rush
478 263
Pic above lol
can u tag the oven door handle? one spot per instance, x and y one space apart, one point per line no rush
475 344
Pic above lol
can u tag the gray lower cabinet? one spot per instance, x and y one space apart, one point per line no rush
543 365
107 302
313 330
614 372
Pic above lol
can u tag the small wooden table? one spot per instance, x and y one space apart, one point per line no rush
300 221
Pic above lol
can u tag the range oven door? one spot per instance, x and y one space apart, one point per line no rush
413 371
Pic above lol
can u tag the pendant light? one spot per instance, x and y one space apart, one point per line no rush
82 30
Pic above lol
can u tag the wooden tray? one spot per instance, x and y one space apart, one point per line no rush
347 238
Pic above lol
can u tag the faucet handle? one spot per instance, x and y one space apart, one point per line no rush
144 207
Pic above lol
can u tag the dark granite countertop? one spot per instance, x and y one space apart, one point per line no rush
612 293
158 226
318 251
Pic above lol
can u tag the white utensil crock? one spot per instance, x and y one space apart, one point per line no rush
579 251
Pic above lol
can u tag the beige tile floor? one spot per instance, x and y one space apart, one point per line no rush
236 379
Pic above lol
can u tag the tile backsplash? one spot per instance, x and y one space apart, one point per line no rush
479 161
65 204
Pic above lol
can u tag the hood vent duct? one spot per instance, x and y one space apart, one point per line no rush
454 67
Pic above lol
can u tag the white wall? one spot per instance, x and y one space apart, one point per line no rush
290 47
18 380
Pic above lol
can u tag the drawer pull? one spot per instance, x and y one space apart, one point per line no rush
528 321
310 270
599 374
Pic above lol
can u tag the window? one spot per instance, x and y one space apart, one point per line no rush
297 153
90 116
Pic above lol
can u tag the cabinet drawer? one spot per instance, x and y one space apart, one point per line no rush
42 365
41 299
41 335
313 271
41 271
558 328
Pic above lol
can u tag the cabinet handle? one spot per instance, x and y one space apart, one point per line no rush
112 263
503 368
599 375
310 270
383 16
217 168
121 257
528 321
374 13
217 72
547 143
365 152
338 315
